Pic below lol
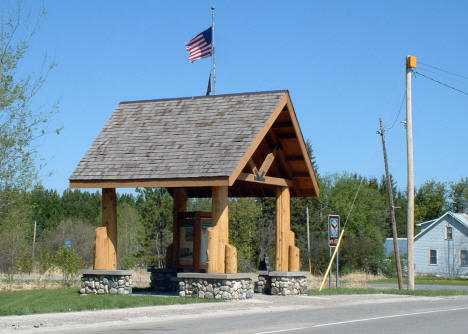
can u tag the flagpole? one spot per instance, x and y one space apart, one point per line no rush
213 58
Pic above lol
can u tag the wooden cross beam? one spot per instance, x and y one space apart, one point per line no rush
274 181
259 174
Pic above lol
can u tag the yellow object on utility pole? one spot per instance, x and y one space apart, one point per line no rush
332 259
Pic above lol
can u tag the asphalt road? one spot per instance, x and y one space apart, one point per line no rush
421 286
264 315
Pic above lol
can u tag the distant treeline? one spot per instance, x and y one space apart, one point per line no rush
145 223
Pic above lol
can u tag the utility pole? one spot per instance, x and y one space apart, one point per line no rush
34 240
308 239
410 64
396 248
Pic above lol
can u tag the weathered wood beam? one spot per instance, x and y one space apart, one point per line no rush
270 180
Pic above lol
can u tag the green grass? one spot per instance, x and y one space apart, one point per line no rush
428 280
356 291
65 300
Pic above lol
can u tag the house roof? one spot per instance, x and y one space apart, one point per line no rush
462 218
198 142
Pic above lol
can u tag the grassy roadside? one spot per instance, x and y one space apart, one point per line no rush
65 300
358 291
428 280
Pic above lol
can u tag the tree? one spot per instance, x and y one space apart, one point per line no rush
20 124
155 209
244 214
79 233
47 209
82 205
430 201
459 195
130 234
68 262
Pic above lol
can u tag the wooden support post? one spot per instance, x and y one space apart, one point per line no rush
100 248
220 217
220 253
196 244
283 224
179 205
231 259
212 250
105 256
293 258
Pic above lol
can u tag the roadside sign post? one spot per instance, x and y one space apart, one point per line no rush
333 236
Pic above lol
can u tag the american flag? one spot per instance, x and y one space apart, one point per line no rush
200 46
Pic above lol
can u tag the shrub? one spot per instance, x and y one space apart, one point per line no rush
68 262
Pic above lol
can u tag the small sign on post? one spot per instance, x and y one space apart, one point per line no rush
68 245
333 230
333 236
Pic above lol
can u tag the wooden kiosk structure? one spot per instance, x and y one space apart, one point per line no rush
238 145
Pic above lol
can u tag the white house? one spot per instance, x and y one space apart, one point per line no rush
441 247
402 245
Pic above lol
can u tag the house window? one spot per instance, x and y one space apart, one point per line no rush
448 233
464 257
433 256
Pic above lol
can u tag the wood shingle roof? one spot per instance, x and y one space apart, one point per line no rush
184 138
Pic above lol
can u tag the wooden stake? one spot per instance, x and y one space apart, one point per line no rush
396 248
410 64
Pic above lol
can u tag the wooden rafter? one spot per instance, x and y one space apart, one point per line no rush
302 145
294 158
283 163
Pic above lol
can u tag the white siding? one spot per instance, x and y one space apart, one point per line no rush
448 251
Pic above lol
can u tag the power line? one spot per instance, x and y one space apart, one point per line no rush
445 76
399 111
441 83
442 70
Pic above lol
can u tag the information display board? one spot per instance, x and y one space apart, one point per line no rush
333 230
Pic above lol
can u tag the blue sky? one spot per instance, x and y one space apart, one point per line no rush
342 61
